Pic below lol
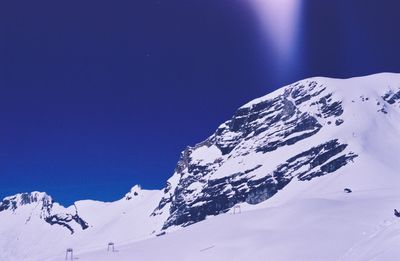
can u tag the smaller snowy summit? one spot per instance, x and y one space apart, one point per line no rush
135 191
21 199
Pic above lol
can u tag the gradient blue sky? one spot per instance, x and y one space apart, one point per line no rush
96 96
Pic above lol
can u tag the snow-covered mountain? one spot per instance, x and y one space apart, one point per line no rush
284 158
303 131
40 205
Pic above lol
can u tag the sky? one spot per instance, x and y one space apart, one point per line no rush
96 96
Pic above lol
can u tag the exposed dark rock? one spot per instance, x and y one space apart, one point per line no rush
65 220
339 122
13 202
262 127
392 97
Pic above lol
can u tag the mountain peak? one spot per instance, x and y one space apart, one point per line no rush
300 132
21 199
135 191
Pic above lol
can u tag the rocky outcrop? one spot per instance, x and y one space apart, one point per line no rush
41 206
247 158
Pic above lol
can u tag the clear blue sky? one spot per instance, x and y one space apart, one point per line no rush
96 96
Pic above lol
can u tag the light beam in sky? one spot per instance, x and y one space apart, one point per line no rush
280 22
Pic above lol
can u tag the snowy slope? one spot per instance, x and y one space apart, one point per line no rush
285 158
336 226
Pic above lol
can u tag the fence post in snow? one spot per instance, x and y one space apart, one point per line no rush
110 246
69 251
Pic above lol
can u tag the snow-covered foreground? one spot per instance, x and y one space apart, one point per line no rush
329 226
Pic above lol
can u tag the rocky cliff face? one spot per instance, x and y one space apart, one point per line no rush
300 132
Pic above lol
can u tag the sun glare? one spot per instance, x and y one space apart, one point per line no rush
280 22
